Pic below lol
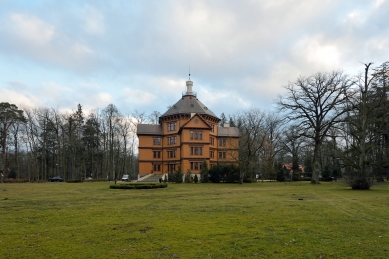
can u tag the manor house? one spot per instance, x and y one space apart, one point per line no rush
187 134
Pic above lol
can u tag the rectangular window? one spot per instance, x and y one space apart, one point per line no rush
196 135
196 165
171 126
171 168
171 154
196 150
222 155
222 142
157 141
211 154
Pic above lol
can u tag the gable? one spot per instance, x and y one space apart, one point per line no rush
196 122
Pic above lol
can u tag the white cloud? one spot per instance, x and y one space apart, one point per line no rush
100 100
20 98
32 29
94 21
38 41
138 97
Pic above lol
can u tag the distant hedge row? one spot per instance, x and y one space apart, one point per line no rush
139 186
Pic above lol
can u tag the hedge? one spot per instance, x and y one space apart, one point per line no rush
139 186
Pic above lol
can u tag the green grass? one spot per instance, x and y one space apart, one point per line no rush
262 220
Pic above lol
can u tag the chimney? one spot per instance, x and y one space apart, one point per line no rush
226 125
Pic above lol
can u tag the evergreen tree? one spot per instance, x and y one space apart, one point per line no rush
204 172
196 179
223 120
178 175
280 172
188 176
232 123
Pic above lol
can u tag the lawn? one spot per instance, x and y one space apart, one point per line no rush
261 220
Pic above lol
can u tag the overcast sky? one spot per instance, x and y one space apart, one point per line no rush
136 54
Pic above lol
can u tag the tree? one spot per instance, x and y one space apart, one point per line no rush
365 127
316 103
216 173
111 114
204 172
223 120
231 122
178 175
9 115
280 173
253 137
196 179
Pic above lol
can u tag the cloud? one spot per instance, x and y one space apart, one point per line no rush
28 36
21 99
29 28
137 97
94 21
136 54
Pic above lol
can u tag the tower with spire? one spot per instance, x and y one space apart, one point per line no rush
186 135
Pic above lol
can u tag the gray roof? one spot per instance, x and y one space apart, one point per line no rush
228 132
189 104
149 129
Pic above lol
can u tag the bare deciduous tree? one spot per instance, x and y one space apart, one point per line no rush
318 103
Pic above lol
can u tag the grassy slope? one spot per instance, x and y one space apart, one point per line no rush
263 220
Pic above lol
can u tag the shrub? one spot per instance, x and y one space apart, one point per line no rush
216 173
74 181
280 174
178 175
188 177
204 172
196 179
360 183
295 176
171 178
12 180
139 186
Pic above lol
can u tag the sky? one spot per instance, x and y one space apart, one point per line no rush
137 54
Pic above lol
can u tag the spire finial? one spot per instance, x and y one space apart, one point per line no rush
189 72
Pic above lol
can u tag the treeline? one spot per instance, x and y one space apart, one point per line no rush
37 144
332 124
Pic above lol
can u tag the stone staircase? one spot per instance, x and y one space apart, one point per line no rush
150 178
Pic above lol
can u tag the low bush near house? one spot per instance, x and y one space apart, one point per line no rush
139 186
